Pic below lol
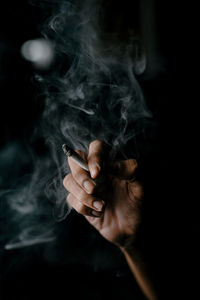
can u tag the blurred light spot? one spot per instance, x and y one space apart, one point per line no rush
40 52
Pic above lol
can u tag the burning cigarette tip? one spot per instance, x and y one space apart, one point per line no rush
75 157
67 150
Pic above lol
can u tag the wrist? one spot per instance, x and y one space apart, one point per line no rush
134 244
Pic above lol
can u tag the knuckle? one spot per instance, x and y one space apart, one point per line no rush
68 197
89 201
80 209
132 164
78 176
69 201
66 180
97 150
96 143
135 163
96 146
82 196
92 189
93 157
85 198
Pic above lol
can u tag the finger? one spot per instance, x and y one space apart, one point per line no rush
125 169
97 150
81 176
81 208
88 200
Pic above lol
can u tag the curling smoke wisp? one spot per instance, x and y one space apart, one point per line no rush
91 93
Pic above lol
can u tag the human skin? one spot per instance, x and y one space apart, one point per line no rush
110 197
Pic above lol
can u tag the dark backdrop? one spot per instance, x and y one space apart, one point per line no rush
75 265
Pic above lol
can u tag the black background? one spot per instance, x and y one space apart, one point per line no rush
74 265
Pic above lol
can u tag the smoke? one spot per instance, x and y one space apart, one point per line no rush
92 92
26 214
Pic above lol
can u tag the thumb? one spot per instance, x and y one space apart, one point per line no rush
125 169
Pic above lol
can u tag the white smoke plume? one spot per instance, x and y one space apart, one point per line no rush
92 92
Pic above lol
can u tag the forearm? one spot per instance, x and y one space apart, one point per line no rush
141 271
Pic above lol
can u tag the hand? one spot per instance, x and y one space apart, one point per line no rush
108 196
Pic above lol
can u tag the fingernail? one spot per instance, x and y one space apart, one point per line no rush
96 213
95 170
88 185
98 204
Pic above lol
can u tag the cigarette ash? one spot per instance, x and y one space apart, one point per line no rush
91 93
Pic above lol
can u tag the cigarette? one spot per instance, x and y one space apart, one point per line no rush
69 152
